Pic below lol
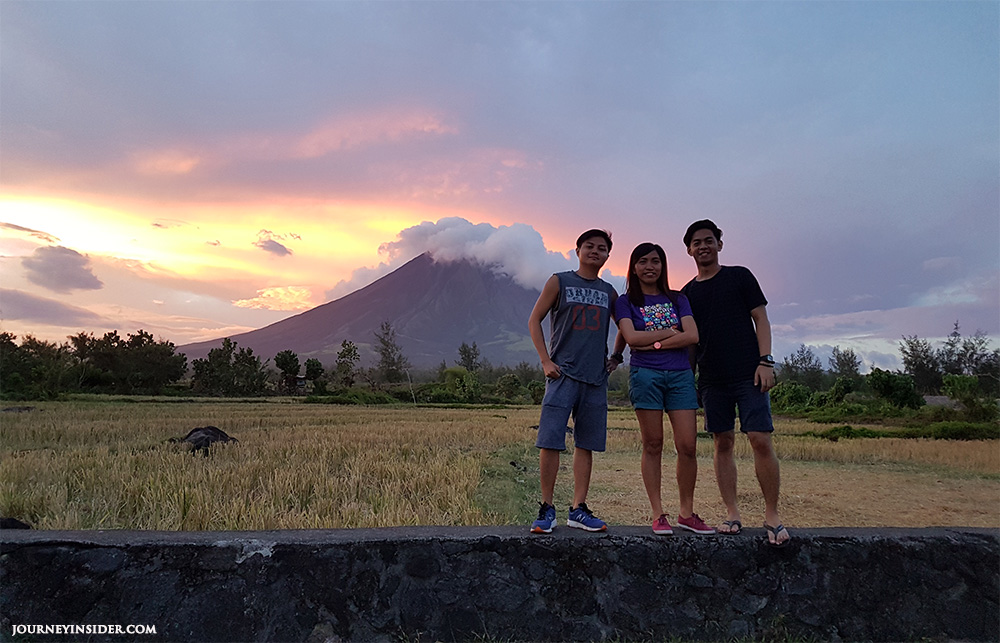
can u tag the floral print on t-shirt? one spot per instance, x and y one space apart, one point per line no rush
659 316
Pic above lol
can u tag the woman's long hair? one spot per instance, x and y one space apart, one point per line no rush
634 286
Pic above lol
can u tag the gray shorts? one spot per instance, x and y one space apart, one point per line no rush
587 403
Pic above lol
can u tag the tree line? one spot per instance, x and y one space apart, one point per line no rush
964 368
139 364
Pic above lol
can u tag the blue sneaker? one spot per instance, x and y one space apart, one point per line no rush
583 518
546 519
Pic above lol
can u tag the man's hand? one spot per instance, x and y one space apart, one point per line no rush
551 369
611 365
764 378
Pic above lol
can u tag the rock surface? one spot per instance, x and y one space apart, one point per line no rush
447 583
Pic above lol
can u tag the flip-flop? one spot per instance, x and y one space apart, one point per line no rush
775 531
735 527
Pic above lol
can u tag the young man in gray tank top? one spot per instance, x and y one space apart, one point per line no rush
576 365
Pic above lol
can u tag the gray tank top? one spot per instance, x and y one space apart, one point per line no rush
579 324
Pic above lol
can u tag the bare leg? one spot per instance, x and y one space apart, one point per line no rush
725 474
651 427
583 464
685 428
548 465
768 475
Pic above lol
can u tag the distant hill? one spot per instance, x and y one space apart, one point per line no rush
433 306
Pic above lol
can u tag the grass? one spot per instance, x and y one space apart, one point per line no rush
103 463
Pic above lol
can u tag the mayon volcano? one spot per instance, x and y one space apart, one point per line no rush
433 306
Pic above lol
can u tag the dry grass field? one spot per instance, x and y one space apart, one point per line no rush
105 464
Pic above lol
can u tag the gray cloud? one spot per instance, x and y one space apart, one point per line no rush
266 241
38 234
60 270
16 305
272 246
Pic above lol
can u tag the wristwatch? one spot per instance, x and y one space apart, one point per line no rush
618 357
767 360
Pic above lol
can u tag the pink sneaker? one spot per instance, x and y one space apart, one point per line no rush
695 524
661 526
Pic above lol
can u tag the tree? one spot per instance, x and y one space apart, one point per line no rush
227 371
35 370
288 363
468 357
136 364
347 359
920 362
949 355
392 364
508 386
528 372
958 356
314 369
803 367
845 363
966 390
897 388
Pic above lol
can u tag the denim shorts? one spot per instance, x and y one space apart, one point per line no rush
653 389
587 403
720 402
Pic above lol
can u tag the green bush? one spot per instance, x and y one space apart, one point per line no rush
897 388
838 392
848 433
936 431
819 399
437 393
955 431
789 396
965 389
508 387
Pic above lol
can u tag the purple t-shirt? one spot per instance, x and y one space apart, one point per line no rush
656 314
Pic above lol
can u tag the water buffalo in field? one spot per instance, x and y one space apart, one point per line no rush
202 437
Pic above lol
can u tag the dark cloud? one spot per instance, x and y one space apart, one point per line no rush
267 241
166 224
38 234
60 270
272 246
16 305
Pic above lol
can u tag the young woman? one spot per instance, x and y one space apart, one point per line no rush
657 324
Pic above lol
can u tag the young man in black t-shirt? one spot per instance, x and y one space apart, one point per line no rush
735 370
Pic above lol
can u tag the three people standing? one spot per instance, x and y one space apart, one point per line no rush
722 312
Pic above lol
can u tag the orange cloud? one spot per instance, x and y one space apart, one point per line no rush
166 162
280 298
355 131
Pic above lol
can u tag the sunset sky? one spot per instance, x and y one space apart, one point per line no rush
200 169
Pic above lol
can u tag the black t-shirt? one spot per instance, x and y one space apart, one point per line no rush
727 346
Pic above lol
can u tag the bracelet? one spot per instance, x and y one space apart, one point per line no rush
767 364
618 357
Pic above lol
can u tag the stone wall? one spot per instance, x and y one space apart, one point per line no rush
435 583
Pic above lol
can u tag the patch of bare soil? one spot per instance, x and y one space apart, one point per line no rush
813 494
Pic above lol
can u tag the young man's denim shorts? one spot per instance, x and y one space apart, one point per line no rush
587 403
653 389
721 400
